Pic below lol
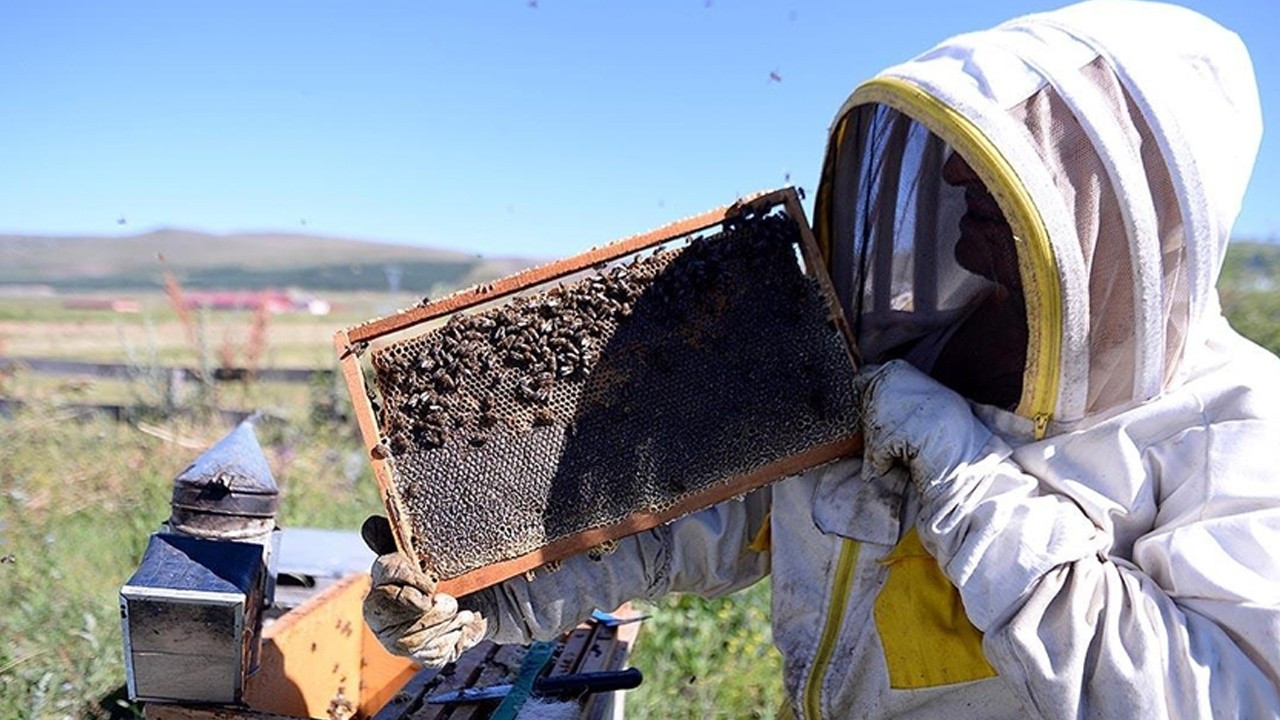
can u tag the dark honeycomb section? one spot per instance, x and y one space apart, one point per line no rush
626 391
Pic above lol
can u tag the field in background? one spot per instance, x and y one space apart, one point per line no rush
47 327
79 494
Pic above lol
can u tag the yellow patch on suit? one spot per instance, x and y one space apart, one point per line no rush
763 541
927 638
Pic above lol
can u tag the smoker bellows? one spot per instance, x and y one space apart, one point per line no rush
641 388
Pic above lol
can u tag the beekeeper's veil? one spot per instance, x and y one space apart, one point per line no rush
1117 138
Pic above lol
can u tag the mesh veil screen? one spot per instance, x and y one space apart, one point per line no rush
625 391
894 237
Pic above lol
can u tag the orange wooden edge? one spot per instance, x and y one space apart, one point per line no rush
353 376
480 294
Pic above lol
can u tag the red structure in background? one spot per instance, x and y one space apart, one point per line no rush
272 301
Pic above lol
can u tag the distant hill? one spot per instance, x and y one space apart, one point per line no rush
1250 283
240 261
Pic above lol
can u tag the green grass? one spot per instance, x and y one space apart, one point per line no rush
78 501
1254 314
78 498
708 659
1250 291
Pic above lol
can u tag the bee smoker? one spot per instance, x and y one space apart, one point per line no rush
192 612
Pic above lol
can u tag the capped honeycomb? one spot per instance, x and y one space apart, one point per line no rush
629 389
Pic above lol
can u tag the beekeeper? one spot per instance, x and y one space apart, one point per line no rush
1070 502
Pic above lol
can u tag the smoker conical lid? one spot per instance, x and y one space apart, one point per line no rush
230 478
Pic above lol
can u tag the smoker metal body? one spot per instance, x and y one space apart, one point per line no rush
192 613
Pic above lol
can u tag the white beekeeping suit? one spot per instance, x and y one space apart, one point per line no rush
1089 535
1108 528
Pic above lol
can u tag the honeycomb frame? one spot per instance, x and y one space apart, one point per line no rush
352 344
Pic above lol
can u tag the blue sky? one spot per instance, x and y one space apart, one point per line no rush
513 127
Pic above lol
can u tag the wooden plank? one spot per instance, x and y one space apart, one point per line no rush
599 654
816 266
456 676
400 704
571 654
460 674
409 696
502 667
310 658
490 664
609 651
626 639
353 376
599 657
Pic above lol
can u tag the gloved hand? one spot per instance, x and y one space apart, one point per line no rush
912 422
405 612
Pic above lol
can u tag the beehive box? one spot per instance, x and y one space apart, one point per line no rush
514 424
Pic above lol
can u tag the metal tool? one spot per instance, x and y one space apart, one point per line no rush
558 686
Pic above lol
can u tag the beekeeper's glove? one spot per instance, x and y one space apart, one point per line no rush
405 612
913 424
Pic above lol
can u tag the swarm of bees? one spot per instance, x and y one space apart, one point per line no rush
625 390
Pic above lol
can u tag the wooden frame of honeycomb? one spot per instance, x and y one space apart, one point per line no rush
434 414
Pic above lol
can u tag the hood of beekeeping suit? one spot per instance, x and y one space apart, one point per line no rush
1117 137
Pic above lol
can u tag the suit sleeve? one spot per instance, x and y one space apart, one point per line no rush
705 553
1186 627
